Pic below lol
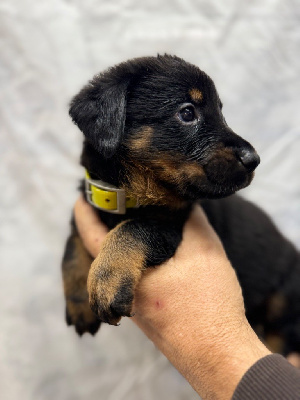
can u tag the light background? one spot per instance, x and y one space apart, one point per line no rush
48 50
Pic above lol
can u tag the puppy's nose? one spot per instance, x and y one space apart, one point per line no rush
249 158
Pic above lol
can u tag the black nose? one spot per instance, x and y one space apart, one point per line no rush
249 158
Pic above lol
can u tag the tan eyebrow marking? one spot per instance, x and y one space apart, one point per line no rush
196 95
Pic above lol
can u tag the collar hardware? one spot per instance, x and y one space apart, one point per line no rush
107 197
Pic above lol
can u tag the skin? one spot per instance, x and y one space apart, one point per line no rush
191 307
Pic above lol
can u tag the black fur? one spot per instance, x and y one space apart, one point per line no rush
147 95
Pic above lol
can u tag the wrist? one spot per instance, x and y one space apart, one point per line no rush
230 359
212 364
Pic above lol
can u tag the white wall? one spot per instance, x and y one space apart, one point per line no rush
49 49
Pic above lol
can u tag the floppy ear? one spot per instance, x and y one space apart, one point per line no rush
99 110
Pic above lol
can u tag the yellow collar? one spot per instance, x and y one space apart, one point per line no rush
107 197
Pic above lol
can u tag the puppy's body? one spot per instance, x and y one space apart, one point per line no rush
154 128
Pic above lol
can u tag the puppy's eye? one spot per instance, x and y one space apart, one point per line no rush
187 114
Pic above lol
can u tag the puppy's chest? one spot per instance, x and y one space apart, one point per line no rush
154 216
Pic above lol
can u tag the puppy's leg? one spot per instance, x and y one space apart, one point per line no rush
128 249
75 268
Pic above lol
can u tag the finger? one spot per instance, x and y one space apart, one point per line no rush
90 228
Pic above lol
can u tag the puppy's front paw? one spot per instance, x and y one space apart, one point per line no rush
79 314
111 293
75 268
115 273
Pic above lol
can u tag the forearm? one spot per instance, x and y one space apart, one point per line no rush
218 375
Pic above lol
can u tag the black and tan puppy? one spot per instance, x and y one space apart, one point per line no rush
155 143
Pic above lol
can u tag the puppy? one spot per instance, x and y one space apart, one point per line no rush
155 143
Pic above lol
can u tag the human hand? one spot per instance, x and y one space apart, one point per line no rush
191 307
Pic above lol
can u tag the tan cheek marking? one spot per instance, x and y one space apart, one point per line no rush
192 170
141 140
224 154
143 181
142 185
196 95
179 172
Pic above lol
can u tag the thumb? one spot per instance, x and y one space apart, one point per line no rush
91 230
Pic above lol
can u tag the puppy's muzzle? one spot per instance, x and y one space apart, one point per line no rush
232 164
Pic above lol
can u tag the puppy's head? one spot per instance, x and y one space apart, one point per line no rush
159 122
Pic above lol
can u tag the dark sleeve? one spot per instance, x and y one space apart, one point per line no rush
270 378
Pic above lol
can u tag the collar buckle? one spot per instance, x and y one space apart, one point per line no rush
107 197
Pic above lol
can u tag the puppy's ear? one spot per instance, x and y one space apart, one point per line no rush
99 111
